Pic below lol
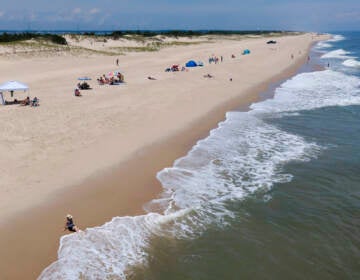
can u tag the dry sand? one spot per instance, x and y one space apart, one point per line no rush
97 156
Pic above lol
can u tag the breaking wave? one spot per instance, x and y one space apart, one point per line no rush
352 63
340 54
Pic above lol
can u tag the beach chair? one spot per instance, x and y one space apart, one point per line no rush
35 102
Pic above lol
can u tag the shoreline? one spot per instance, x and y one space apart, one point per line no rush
116 199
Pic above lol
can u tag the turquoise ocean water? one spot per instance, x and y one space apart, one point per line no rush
272 193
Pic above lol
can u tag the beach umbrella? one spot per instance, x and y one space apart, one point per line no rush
84 79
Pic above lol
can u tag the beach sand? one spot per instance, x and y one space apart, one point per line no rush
97 156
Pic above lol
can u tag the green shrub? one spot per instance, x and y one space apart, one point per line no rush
54 38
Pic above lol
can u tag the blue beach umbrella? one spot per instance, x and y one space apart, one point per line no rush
84 79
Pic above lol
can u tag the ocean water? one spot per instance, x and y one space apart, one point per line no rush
272 193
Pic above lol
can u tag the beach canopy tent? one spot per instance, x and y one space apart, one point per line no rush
191 63
247 51
11 86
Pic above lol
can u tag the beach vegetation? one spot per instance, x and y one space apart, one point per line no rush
147 48
137 34
17 37
154 46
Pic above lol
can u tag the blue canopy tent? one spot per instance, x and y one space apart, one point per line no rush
191 63
247 51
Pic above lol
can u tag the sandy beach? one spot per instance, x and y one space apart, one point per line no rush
97 156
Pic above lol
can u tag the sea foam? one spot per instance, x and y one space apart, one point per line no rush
336 38
313 90
323 45
339 54
352 63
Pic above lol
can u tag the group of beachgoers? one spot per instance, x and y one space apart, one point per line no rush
175 68
215 59
24 102
83 85
113 80
212 59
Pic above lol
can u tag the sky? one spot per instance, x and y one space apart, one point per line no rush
303 15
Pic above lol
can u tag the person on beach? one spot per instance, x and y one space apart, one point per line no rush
26 101
117 62
70 225
77 92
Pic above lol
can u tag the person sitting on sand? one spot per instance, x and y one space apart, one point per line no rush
208 76
26 101
101 81
77 92
70 225
106 79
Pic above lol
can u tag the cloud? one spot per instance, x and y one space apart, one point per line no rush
94 11
76 11
1 13
353 16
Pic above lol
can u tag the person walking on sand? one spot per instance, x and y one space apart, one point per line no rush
70 225
117 62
